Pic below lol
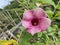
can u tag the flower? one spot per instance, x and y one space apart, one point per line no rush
9 42
35 20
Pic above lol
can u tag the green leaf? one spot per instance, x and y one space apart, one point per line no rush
49 29
57 16
39 34
58 6
33 1
49 42
32 6
59 33
55 26
50 13
57 42
28 44
39 43
24 39
22 28
48 2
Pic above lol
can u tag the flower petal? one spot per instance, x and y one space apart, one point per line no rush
39 12
26 24
44 23
28 14
33 30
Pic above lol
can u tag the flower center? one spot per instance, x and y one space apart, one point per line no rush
35 22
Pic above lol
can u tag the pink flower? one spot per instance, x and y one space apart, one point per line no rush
35 21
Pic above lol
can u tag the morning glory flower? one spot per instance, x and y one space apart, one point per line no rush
35 20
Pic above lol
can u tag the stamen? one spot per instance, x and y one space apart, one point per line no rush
35 22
